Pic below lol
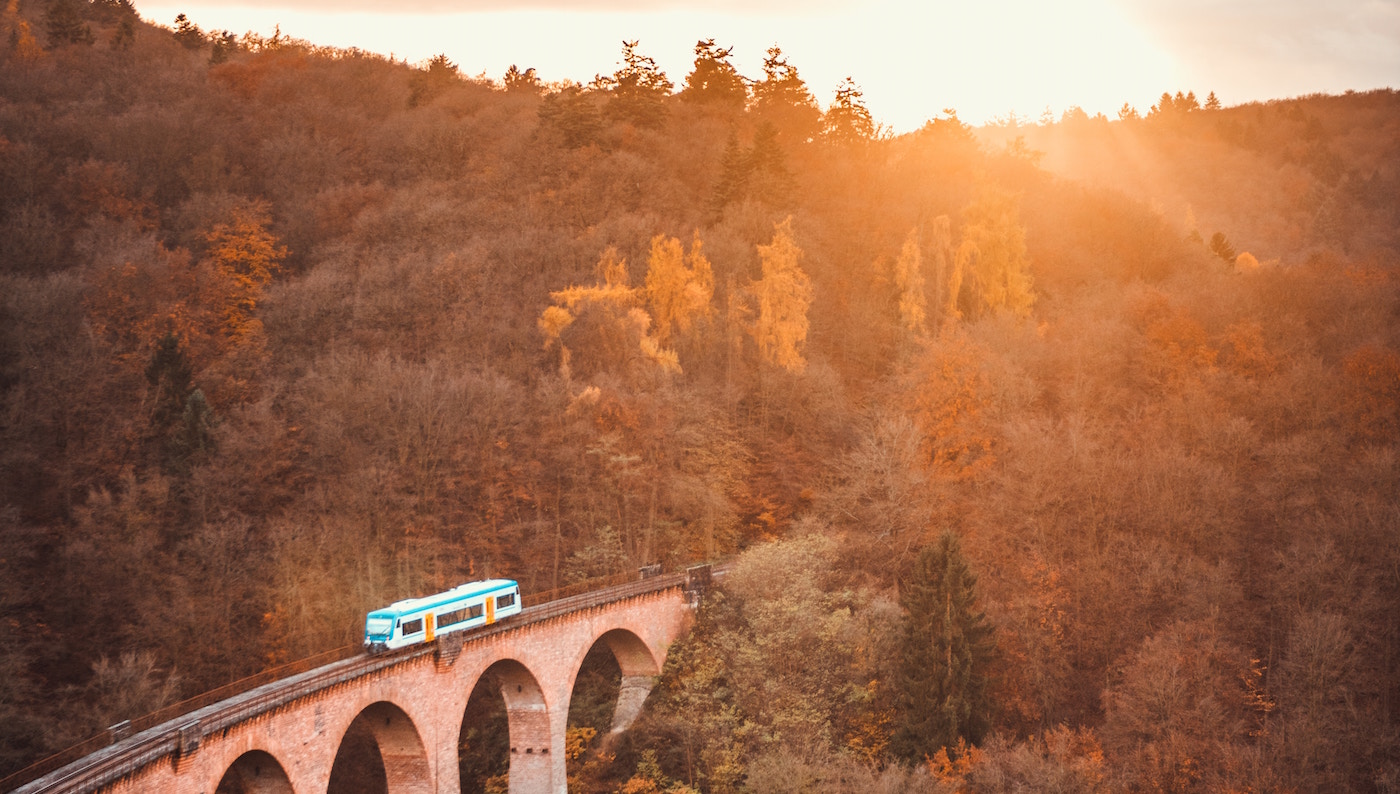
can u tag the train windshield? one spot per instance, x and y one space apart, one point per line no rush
378 627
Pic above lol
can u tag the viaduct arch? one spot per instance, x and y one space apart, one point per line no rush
283 738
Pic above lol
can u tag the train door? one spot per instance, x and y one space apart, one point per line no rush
490 610
429 626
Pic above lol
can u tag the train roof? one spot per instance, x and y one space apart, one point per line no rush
459 592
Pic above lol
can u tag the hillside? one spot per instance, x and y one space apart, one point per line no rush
288 333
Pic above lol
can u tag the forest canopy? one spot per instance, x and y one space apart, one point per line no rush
290 332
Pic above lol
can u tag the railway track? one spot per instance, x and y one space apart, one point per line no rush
122 755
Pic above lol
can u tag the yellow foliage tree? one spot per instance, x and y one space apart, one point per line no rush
909 280
784 295
622 325
992 258
679 288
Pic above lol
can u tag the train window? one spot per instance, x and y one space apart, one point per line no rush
506 600
475 611
412 626
451 618
378 626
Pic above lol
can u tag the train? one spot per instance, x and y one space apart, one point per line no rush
418 620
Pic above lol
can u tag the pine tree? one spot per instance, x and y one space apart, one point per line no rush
64 24
733 185
945 651
188 33
192 440
439 76
769 179
169 377
848 120
573 114
638 89
1220 246
714 81
518 82
782 99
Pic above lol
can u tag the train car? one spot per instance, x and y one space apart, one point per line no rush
417 620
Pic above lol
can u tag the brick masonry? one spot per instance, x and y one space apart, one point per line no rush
415 709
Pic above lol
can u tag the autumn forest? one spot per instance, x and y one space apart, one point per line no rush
1107 409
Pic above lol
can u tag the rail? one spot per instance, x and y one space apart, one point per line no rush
128 747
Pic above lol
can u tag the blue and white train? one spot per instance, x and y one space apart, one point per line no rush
417 620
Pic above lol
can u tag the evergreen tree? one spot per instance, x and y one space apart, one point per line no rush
759 172
769 180
945 651
64 24
733 175
715 82
848 120
169 377
1212 101
638 90
188 33
225 44
124 35
193 438
573 113
526 82
440 75
782 99
1221 247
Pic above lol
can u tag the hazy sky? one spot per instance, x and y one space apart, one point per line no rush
912 59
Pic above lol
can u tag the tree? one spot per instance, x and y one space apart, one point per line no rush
428 84
193 439
188 33
1221 247
946 648
516 81
848 120
246 255
782 99
1212 102
617 329
909 280
758 173
784 295
679 288
64 24
23 46
573 114
992 257
169 377
638 90
714 82
124 34
224 45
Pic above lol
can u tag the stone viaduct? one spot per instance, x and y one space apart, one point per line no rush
283 738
